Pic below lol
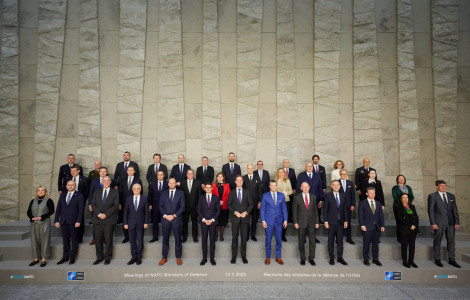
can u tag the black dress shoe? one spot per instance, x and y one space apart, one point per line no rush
34 262
222 239
406 265
350 241
107 262
317 241
254 239
244 260
195 239
132 261
97 261
366 262
321 222
438 263
332 261
213 262
454 263
302 262
153 240
233 260
139 261
312 262
284 239
412 263
342 261
376 262
43 264
72 261
184 239
203 261
125 240
64 259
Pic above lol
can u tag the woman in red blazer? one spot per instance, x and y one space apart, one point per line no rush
219 187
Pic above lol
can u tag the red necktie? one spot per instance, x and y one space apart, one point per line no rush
306 201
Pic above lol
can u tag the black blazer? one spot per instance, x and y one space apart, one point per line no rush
229 176
83 187
362 175
254 188
109 208
176 174
292 178
264 181
72 213
136 219
234 205
152 176
331 210
209 177
191 198
124 191
300 215
405 221
379 193
64 173
208 212
120 173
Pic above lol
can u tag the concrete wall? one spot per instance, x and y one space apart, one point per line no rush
266 79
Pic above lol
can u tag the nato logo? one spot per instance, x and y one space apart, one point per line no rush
72 276
392 275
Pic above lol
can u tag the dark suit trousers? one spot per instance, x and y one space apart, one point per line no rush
335 231
254 214
155 219
371 237
449 232
81 229
69 236
311 233
347 231
136 238
408 242
104 232
242 229
167 226
120 219
190 212
205 230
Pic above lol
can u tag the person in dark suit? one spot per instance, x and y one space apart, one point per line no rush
121 168
371 220
192 191
208 210
444 218
407 222
290 173
178 172
231 170
305 219
64 174
136 219
153 169
205 173
81 186
263 176
334 215
172 209
319 175
125 190
221 189
155 191
373 182
253 185
362 175
273 213
240 204
105 205
68 216
347 189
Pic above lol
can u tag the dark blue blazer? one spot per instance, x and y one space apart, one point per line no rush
208 212
136 219
322 171
124 191
367 219
331 210
72 213
229 176
120 173
315 185
349 193
96 185
154 194
264 181
273 215
83 187
176 174
292 178
64 173
175 207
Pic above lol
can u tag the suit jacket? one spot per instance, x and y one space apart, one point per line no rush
440 213
292 178
206 211
64 173
229 176
176 174
124 191
264 181
96 185
254 188
109 208
72 213
83 187
175 207
300 215
234 205
192 197
322 171
379 193
362 175
120 172
152 176
154 194
315 185
369 220
405 220
331 209
273 214
209 177
136 219
349 193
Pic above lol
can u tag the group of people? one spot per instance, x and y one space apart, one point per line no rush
210 199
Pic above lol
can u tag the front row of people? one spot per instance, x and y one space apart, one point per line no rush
442 211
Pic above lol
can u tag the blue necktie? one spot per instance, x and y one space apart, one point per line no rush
239 196
125 167
135 203
310 175
337 203
105 196
274 198
68 198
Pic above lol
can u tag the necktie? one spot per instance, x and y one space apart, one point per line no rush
190 185
337 203
156 168
76 183
310 175
316 169
208 200
129 182
205 170
181 169
344 186
445 199
135 203
125 167
231 168
306 201
260 173
372 206
171 196
105 196
239 196
68 198
274 198
159 186
287 172
101 182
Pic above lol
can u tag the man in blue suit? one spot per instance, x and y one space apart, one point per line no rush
178 172
125 190
81 186
64 173
172 209
68 216
334 214
136 219
155 190
208 210
347 189
273 217
371 220
315 187
121 168
231 170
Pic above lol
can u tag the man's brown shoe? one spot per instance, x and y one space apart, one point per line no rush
267 261
179 262
92 242
162 262
279 261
